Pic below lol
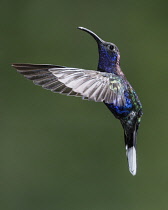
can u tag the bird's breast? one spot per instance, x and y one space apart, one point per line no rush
121 111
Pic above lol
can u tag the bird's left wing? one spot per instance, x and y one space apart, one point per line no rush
89 84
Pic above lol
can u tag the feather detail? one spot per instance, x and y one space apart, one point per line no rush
88 84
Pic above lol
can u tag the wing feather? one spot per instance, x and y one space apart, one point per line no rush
88 84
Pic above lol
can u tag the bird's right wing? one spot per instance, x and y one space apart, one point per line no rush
89 84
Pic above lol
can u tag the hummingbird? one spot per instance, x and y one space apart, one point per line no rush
108 85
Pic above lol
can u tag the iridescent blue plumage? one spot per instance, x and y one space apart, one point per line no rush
121 111
108 85
107 61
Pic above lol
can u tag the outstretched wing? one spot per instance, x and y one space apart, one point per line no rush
89 84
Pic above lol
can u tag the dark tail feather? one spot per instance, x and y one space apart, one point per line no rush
130 143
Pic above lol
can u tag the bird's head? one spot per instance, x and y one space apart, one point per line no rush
109 55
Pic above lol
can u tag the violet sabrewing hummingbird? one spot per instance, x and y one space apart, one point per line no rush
108 85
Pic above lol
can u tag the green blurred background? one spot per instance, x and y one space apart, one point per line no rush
63 153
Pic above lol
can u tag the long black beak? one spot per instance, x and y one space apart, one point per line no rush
98 39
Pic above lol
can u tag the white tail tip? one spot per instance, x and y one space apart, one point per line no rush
131 155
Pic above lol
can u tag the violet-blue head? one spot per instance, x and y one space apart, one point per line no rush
109 55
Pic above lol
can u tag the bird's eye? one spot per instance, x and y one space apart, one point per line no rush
111 47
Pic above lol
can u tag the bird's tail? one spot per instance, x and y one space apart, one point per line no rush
130 143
